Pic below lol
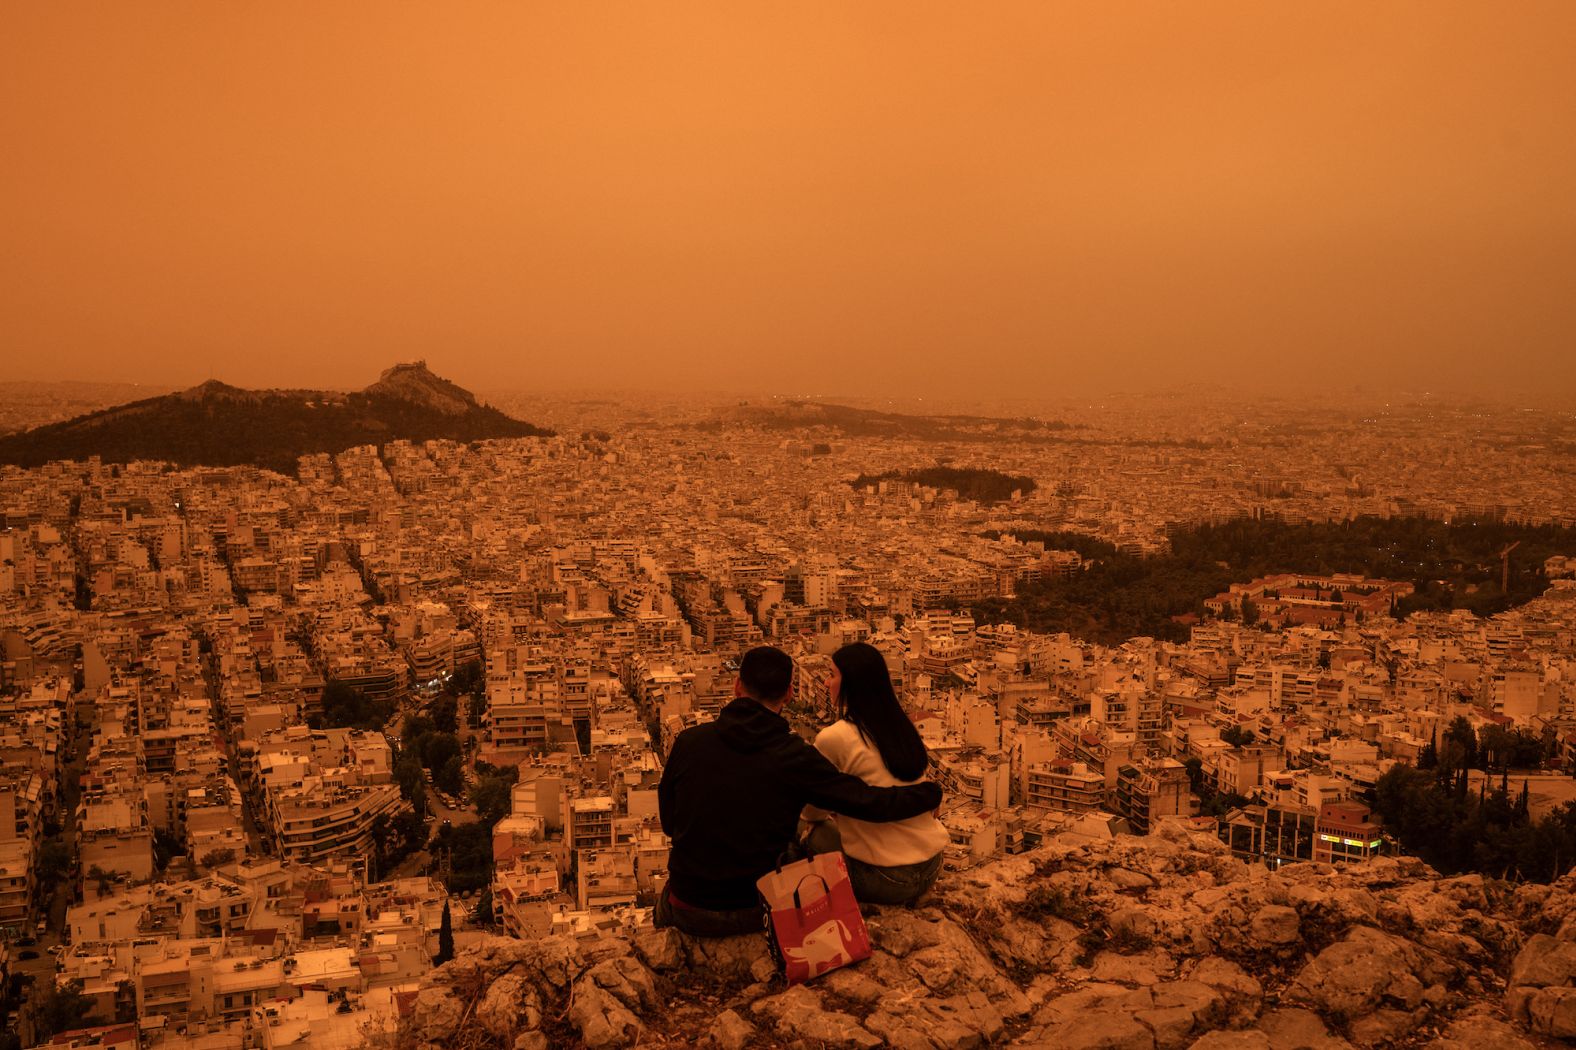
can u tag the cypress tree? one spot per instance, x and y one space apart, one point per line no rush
445 937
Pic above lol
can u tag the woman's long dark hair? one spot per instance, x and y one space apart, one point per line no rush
870 704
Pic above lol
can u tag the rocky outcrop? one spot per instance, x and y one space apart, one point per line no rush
1156 943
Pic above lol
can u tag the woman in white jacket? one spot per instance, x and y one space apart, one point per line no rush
876 741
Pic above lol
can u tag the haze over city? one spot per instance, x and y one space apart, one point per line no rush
869 200
765 528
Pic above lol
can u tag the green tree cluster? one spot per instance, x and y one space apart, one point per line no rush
468 848
1502 748
1211 803
1434 814
982 486
470 679
492 791
435 750
345 707
54 861
54 1008
1119 596
1238 736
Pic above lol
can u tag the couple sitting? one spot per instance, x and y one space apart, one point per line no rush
733 792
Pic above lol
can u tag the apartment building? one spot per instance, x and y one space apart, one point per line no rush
320 820
1346 833
1065 786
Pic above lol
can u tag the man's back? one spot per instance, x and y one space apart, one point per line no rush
730 799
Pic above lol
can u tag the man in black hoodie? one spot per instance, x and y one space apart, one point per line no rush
730 798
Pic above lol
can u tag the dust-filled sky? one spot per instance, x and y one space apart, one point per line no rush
843 198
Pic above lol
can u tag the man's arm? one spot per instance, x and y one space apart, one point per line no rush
824 786
826 743
670 774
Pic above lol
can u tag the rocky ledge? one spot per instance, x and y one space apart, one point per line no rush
1129 944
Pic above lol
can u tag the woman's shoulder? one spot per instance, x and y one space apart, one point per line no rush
840 731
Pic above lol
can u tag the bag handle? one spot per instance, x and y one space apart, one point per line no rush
826 886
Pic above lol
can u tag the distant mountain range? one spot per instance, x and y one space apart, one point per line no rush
220 425
865 422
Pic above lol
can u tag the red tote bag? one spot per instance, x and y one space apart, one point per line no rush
815 925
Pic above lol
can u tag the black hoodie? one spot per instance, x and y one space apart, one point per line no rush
730 799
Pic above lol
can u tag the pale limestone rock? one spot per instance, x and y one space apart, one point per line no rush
1090 996
1544 962
798 998
601 1019
1125 879
1553 1012
1226 976
1406 990
1141 969
851 983
627 980
1381 1027
662 949
1245 1040
900 933
436 1013
730 955
1199 999
1518 1003
1306 897
763 968
1172 1025
1275 925
1294 1029
830 1028
730 1032
1480 1033
1132 921
1107 1028
1181 1009
509 1006
902 1034
972 1011
1351 975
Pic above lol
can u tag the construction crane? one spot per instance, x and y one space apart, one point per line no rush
1504 567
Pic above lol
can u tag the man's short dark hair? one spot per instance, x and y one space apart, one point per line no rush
766 672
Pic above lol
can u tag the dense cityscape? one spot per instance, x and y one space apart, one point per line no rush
272 746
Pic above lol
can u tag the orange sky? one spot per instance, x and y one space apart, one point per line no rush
838 198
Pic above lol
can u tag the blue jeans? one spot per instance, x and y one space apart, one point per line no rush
875 883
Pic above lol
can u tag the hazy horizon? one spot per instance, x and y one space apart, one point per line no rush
887 200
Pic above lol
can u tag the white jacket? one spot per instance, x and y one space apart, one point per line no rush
886 845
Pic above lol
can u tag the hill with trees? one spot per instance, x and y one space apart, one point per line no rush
222 426
866 422
983 486
1119 596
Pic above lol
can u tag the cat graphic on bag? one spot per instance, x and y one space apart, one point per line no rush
823 945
